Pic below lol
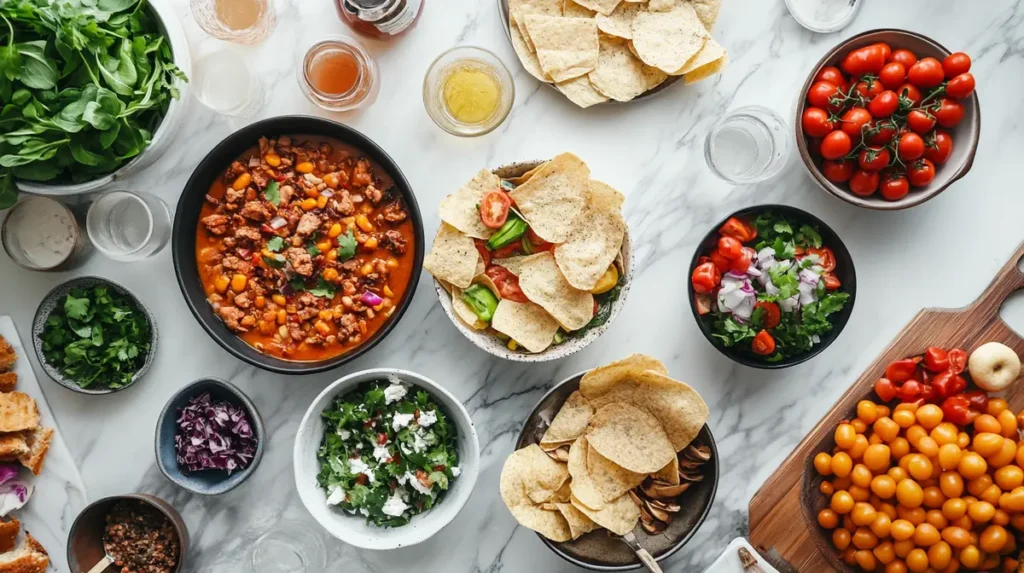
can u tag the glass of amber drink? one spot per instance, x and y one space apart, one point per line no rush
238 21
337 74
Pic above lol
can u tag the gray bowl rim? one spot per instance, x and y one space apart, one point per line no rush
914 198
259 430
553 546
53 374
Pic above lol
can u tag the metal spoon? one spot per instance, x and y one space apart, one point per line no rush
645 556
100 567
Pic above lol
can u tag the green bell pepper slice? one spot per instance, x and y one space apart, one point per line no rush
481 301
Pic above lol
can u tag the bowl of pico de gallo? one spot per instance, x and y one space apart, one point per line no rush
772 286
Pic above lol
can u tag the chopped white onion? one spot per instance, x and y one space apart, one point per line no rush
356 198
745 309
277 223
254 162
765 254
815 338
327 193
789 304
807 298
770 287
809 277
752 270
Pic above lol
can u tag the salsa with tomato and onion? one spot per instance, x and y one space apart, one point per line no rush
881 121
768 287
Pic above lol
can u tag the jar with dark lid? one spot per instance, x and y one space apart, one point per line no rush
380 18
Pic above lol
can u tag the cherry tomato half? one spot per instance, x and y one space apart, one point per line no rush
864 183
837 171
494 209
938 147
854 120
721 263
955 64
831 281
770 314
826 258
835 145
507 283
816 122
738 229
730 247
705 278
894 187
893 75
901 370
884 104
510 250
957 360
481 247
926 73
763 343
741 263
921 173
960 86
873 158
920 121
537 244
910 146
936 359
948 112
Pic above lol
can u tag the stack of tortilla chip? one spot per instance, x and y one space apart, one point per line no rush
627 422
564 206
597 50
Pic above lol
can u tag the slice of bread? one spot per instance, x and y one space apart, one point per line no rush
9 534
7 355
8 381
38 441
13 445
18 411
28 557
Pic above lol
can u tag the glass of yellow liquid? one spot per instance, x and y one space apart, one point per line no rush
238 21
468 91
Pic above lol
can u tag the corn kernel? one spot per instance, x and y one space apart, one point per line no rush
241 182
260 302
304 167
221 284
266 328
308 204
326 314
282 316
388 292
392 262
512 344
332 255
331 275
331 179
335 231
279 299
238 282
366 208
363 223
322 327
371 243
272 159
248 321
321 201
324 246
379 306
366 269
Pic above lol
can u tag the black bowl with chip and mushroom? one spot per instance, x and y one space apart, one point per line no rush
669 516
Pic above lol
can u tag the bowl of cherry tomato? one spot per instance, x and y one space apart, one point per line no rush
888 119
771 286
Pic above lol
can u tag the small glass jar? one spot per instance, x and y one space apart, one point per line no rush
380 19
464 59
238 21
324 58
747 145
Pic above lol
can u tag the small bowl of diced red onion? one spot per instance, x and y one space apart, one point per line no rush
209 438
771 286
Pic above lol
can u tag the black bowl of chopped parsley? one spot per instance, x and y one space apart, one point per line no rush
93 336
801 334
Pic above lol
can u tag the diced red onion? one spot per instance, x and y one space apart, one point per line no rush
736 275
278 222
752 271
327 193
370 298
808 276
747 288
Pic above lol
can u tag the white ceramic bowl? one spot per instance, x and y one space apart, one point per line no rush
353 529
177 111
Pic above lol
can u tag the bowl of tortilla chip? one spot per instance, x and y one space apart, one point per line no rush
621 450
549 275
596 51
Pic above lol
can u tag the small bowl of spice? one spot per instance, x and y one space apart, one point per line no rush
135 532
468 91
209 437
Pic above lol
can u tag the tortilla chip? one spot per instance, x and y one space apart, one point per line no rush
526 54
654 77
563 493
517 181
526 323
519 9
630 437
464 312
618 74
570 422
513 264
571 9
605 197
543 283
661 5
555 198
618 516
707 11
588 253
620 22
609 478
601 380
566 47
542 476
550 524
578 521
707 71
678 406
582 487
600 6
581 92
710 53
461 209
667 40
669 473
453 257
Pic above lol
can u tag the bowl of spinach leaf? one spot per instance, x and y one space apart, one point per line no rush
93 336
91 90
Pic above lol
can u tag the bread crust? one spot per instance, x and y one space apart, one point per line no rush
38 445
8 381
18 411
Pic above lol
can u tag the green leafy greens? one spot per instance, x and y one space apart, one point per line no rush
83 86
97 337
777 232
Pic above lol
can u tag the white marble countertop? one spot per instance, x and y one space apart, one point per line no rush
939 254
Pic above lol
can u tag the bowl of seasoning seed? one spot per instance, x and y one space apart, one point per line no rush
136 532
468 91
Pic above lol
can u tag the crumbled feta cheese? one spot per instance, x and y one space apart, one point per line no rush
416 485
394 506
358 466
456 471
404 478
418 443
381 453
345 434
395 392
427 419
400 421
364 511
337 495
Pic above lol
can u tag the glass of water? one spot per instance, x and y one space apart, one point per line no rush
291 547
127 226
225 84
748 145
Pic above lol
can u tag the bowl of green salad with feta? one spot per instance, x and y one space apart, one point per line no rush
385 458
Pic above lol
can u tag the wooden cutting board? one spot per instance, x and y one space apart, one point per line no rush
777 525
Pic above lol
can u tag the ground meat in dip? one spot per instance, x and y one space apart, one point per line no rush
140 538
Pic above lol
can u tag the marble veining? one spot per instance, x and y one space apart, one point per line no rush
939 254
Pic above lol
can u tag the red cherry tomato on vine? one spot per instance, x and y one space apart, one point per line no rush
864 183
920 121
884 104
832 75
921 172
960 86
885 389
957 360
763 343
705 278
910 92
835 145
949 112
938 147
894 187
901 370
837 171
868 88
893 75
816 122
882 132
936 359
905 57
854 120
910 146
730 248
821 94
955 64
738 229
866 60
926 73
873 158
770 314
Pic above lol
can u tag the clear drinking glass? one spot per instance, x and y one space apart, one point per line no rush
127 226
464 58
336 56
748 145
291 547
239 21
225 84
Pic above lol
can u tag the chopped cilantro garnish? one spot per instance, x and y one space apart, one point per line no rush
275 244
273 193
312 249
323 289
346 247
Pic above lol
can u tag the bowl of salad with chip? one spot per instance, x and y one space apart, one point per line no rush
772 286
385 458
532 261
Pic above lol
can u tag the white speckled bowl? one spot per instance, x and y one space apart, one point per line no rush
353 529
491 344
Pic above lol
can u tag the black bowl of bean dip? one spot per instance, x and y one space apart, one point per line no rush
143 533
298 244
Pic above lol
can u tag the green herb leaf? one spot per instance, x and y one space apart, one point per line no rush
275 244
808 237
312 249
76 308
346 247
272 193
323 289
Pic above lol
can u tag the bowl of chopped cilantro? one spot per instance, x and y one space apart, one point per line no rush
385 458
93 336
772 286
